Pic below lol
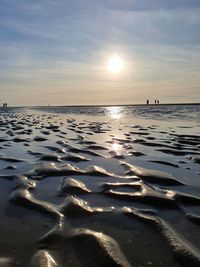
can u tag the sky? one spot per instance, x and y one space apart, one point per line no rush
57 52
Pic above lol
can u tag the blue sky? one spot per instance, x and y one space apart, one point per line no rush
56 52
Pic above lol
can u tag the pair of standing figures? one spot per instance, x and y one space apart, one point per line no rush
156 101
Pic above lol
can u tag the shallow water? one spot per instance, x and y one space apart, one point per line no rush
100 186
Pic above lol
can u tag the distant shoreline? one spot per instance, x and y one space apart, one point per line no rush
111 105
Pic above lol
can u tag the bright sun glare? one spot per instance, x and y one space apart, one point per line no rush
115 64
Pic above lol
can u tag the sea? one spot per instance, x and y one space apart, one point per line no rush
169 112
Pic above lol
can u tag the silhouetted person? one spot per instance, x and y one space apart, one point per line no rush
147 102
5 105
157 101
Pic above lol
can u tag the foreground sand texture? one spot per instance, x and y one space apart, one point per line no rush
83 190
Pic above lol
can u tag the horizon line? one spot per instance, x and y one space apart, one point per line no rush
104 105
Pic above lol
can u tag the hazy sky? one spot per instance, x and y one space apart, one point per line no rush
56 51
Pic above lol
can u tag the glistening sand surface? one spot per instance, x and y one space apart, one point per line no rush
100 187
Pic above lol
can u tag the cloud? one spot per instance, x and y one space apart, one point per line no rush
64 45
142 5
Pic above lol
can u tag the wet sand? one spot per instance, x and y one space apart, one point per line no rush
79 190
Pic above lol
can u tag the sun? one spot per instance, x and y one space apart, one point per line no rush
115 64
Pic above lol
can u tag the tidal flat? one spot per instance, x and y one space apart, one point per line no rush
100 186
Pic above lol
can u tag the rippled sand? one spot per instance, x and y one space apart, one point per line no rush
79 190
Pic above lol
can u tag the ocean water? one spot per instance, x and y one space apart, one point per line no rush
159 112
190 113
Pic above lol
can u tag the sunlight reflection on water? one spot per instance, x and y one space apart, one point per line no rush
116 147
114 112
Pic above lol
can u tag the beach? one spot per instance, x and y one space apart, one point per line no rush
100 186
